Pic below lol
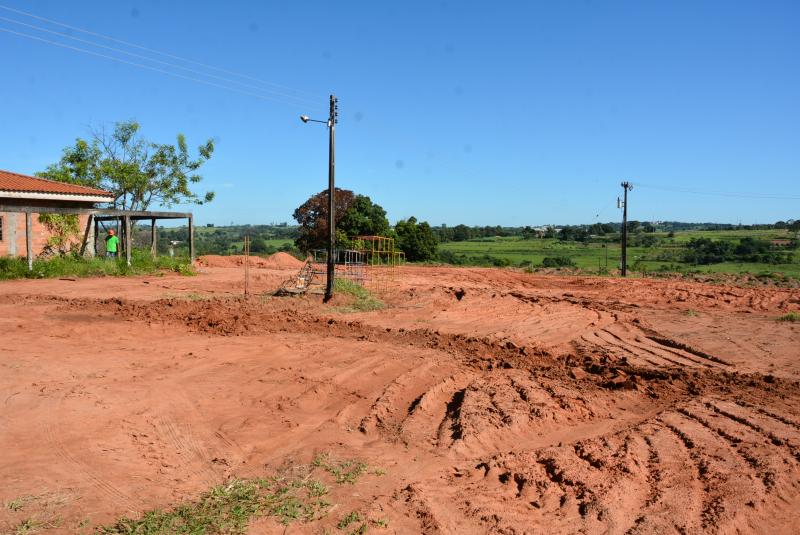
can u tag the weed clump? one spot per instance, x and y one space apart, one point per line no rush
229 508
344 471
363 300
791 317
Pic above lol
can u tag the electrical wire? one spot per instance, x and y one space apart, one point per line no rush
302 100
156 69
679 189
154 51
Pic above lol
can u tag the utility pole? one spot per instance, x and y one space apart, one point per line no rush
333 118
626 186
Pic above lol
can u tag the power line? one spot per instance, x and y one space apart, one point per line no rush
679 189
154 51
166 63
149 67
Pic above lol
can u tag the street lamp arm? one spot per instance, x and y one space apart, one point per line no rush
307 119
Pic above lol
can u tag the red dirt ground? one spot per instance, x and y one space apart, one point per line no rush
494 401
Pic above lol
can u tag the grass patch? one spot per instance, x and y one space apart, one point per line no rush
363 300
792 317
691 313
31 525
229 508
19 503
343 471
350 518
76 266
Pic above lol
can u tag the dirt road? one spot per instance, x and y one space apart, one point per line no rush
493 401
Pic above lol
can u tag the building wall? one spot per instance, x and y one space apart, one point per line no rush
13 241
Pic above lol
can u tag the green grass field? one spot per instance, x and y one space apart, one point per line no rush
596 256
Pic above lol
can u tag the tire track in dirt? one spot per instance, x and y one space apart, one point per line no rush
629 430
54 436
577 487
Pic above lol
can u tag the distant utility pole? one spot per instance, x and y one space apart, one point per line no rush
626 186
333 119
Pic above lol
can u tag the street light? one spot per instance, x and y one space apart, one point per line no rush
333 118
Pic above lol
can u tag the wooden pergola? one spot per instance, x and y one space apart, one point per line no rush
96 216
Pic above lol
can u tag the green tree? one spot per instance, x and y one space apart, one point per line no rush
363 218
137 171
312 216
416 240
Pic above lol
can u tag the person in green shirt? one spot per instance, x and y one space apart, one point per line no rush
112 244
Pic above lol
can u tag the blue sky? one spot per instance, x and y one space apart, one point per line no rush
507 113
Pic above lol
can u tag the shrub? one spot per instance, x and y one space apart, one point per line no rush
557 262
77 266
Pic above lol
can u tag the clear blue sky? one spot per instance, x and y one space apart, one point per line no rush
507 113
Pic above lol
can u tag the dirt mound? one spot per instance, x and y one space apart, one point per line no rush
279 260
213 260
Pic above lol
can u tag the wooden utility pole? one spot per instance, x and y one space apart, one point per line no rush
626 186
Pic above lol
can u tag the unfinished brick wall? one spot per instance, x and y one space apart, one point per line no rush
12 242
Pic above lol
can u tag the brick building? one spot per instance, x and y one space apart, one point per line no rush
26 191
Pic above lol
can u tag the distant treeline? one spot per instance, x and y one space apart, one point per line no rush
228 239
586 232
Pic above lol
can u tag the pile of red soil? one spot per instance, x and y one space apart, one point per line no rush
275 261
281 261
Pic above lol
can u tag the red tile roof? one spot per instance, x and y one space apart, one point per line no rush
21 183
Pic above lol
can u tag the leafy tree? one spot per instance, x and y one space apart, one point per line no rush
706 251
259 245
416 240
363 218
137 171
312 216
461 233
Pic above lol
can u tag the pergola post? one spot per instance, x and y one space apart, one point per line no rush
29 240
96 231
191 239
88 248
153 246
127 223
